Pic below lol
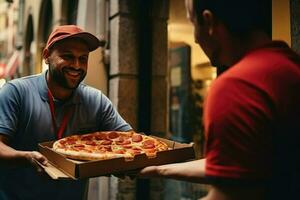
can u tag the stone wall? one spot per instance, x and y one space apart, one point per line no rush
124 77
295 25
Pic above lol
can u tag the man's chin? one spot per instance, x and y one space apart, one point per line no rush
72 83
69 85
73 86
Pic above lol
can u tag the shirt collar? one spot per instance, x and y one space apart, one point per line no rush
43 90
275 44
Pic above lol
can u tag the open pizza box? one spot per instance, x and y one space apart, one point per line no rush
60 167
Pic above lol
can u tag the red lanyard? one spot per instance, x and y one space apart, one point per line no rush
59 131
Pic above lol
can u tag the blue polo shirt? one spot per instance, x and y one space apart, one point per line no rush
25 118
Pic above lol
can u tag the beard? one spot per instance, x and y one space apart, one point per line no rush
59 77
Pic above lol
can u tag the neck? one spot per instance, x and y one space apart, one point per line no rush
240 46
57 91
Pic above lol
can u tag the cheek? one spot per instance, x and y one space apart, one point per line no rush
84 65
57 62
60 61
200 37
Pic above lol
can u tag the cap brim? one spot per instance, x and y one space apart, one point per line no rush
92 41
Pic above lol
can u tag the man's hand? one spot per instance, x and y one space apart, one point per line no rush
151 171
37 160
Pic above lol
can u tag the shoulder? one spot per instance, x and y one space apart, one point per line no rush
91 95
232 97
275 60
270 70
21 85
25 82
87 91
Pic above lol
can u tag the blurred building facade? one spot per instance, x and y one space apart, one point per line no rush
9 53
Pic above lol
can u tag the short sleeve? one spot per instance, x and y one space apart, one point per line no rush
9 109
237 120
110 118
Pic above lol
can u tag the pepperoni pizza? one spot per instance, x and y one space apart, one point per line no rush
108 145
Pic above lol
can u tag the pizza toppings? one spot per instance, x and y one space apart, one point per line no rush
148 144
87 137
107 145
101 136
113 135
91 143
137 138
106 142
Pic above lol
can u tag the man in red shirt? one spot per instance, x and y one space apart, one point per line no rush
252 111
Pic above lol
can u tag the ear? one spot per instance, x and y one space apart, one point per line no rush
209 20
46 56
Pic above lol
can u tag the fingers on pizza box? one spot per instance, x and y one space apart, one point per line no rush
108 145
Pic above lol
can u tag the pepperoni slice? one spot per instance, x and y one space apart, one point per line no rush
107 148
87 137
113 135
124 142
62 141
120 151
78 145
136 152
101 137
137 138
106 142
151 151
92 143
120 139
148 144
70 142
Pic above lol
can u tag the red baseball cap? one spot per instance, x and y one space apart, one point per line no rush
73 31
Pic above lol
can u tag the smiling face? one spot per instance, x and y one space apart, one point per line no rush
67 62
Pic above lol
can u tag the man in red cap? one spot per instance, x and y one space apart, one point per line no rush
49 106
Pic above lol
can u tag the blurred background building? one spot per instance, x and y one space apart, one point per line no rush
150 68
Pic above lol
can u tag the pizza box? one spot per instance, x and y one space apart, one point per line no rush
60 167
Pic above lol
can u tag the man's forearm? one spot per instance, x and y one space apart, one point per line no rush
12 158
192 171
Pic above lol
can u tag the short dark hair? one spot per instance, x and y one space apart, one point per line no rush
239 16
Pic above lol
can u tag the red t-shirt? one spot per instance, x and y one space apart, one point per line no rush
252 117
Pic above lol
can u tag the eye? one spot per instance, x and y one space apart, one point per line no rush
67 57
83 59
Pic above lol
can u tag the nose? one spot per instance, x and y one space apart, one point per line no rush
76 63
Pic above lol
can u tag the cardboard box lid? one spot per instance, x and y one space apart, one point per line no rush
61 167
54 172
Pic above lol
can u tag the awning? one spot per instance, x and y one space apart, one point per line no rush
12 64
